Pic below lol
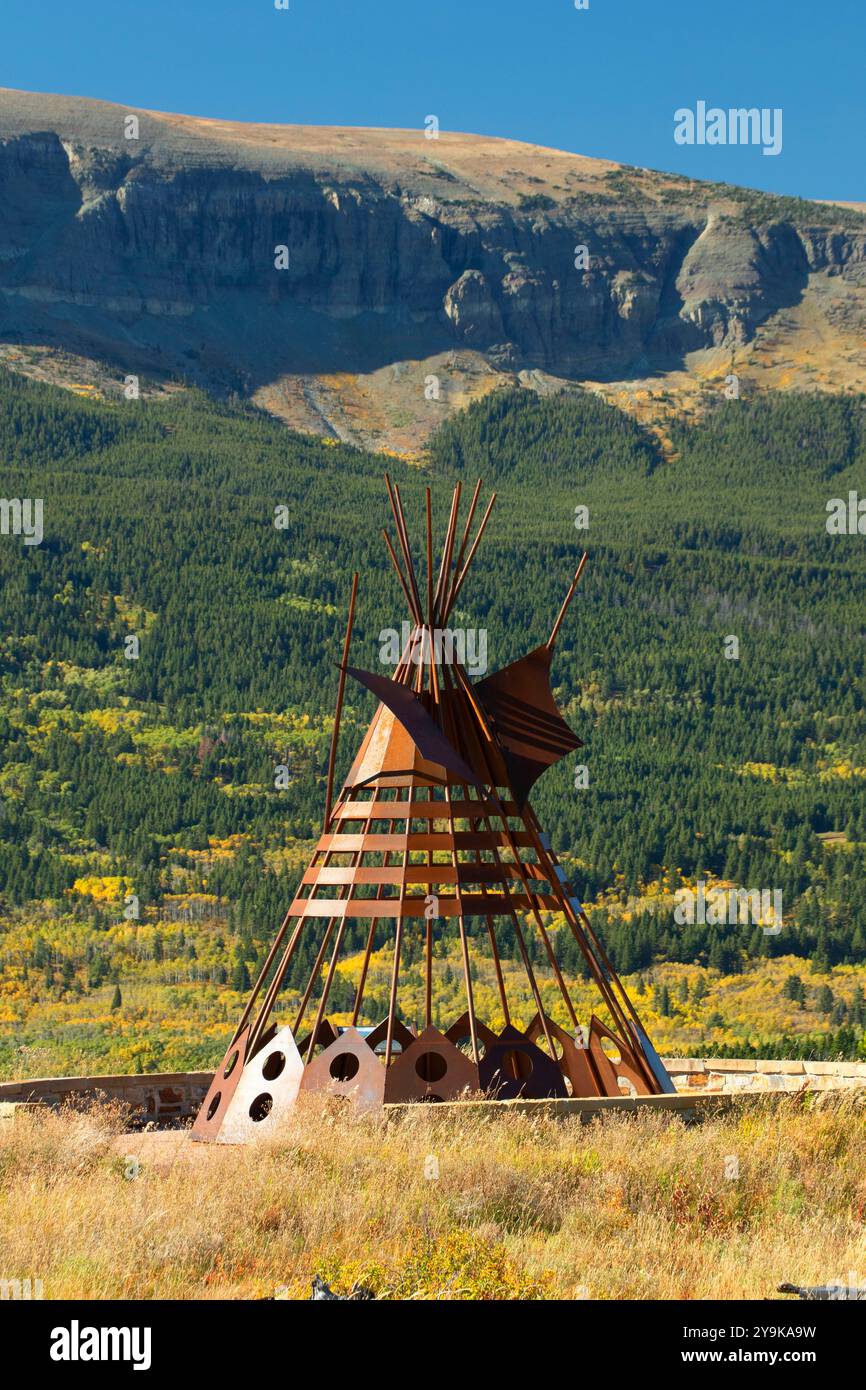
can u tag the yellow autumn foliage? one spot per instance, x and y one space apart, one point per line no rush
109 889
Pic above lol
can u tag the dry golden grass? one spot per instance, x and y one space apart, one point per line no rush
523 1207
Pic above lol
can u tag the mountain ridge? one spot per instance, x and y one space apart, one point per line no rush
465 261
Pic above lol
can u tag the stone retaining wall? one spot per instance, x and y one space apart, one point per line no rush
729 1075
165 1096
178 1095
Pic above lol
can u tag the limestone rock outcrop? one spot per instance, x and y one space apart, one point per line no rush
233 254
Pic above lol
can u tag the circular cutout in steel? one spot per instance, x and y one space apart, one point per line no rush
273 1066
344 1066
214 1105
431 1066
516 1065
231 1064
261 1107
555 1045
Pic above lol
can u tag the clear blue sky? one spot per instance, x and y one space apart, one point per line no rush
605 81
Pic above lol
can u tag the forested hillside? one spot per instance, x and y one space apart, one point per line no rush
152 777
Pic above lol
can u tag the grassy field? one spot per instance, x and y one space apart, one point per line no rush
433 1207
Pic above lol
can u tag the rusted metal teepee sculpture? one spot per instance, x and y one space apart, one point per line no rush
433 822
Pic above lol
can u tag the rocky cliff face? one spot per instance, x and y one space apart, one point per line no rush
154 242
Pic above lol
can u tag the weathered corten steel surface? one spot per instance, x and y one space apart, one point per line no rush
433 825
